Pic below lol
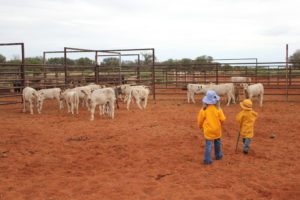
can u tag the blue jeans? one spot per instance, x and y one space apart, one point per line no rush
246 144
208 149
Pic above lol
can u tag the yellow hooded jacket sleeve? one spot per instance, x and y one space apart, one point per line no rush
210 120
246 118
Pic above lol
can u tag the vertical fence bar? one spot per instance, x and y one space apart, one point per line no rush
153 73
96 68
286 70
138 69
44 67
166 76
23 77
256 70
65 66
176 75
217 74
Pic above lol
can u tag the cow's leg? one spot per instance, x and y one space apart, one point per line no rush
59 103
31 106
101 109
138 102
40 106
93 106
68 105
145 102
233 98
261 99
76 105
112 109
193 97
24 105
72 108
228 99
128 102
188 97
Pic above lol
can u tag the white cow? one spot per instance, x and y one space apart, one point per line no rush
221 90
102 97
193 89
52 93
30 95
126 89
71 98
139 94
88 89
254 90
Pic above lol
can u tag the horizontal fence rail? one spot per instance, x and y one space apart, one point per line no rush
278 78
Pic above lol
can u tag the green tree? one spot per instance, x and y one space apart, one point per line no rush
204 59
34 60
110 62
59 61
170 62
2 59
186 61
84 61
295 58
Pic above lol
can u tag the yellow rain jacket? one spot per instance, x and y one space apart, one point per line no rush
210 120
246 118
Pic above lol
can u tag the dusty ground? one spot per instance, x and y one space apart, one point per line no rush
152 154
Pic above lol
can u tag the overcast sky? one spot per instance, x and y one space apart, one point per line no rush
175 28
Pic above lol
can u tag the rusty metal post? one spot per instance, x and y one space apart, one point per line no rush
138 69
277 75
44 67
193 70
65 66
23 77
96 68
176 74
256 70
286 70
166 76
290 75
217 74
153 73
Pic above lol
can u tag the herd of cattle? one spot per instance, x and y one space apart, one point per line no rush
91 95
94 95
231 90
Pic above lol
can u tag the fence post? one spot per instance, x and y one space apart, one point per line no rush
65 66
138 69
256 70
217 73
286 71
166 76
23 67
153 73
96 68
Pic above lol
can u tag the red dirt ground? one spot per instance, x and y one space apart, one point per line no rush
156 153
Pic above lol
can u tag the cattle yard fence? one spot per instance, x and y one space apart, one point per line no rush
281 80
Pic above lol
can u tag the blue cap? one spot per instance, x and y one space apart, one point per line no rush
211 97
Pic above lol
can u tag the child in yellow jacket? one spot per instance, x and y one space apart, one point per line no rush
210 118
246 118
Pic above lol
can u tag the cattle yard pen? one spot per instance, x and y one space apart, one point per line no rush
280 79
